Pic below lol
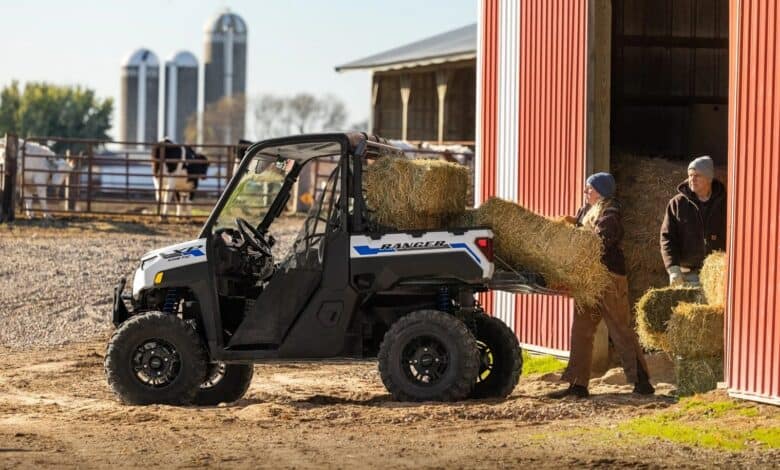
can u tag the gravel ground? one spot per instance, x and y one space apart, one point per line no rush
57 277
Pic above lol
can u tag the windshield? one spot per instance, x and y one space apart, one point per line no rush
256 190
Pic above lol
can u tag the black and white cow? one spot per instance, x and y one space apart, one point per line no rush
176 170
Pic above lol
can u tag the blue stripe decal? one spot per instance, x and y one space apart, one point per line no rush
364 250
367 250
466 247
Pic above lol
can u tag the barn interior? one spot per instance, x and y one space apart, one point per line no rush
668 75
669 78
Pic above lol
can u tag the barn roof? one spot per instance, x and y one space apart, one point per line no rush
458 44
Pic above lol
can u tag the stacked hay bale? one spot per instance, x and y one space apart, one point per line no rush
644 187
567 257
713 278
654 310
415 194
687 323
696 341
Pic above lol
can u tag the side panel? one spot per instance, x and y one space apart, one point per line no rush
534 86
551 148
487 114
753 310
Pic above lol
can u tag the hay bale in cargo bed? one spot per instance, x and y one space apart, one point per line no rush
713 278
697 375
654 310
415 194
569 258
696 330
644 187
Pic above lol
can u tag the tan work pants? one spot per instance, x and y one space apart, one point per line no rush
616 312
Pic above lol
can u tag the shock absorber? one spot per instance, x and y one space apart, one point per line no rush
443 301
171 300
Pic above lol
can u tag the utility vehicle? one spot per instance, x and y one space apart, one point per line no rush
202 312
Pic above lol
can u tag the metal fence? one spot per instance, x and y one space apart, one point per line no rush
105 178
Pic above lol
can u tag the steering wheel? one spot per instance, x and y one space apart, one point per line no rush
253 237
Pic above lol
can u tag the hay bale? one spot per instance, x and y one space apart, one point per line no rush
655 307
644 187
415 194
713 278
649 339
698 375
696 330
567 257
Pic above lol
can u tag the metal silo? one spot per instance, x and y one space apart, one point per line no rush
181 93
140 85
225 63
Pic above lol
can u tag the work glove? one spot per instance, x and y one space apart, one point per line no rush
675 276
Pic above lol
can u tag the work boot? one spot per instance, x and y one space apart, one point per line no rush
578 391
644 388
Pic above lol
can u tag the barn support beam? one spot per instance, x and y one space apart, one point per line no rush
405 93
374 97
597 121
442 79
599 44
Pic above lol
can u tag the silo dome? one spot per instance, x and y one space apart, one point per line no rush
183 59
141 56
225 21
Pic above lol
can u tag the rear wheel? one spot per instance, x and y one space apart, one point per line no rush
225 383
428 355
155 358
501 361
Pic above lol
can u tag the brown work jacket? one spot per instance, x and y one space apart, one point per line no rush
609 227
693 229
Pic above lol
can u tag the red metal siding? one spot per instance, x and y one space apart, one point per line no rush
552 140
753 326
489 110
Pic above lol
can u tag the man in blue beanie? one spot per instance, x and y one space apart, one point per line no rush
695 223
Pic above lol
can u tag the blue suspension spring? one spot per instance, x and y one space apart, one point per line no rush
443 302
171 300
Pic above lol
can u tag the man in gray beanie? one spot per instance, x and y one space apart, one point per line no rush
695 223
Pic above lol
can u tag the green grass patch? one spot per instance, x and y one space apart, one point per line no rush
541 364
692 434
715 424
770 437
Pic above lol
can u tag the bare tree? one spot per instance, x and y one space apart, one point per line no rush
223 121
303 113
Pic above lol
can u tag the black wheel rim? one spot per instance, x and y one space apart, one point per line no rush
156 363
425 360
486 361
215 374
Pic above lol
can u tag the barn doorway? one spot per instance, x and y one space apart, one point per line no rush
668 104
670 78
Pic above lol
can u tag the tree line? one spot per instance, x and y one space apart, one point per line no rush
44 109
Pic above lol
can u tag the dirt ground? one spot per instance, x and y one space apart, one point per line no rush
56 410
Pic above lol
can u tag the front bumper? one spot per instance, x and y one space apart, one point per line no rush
120 312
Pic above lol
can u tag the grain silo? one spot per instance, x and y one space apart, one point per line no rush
181 93
225 64
140 84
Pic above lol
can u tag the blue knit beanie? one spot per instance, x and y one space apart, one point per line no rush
604 183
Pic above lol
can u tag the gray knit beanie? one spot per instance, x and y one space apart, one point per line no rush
704 166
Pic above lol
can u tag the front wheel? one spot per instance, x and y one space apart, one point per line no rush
429 355
501 361
225 383
155 358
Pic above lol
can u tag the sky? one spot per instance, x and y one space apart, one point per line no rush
293 44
